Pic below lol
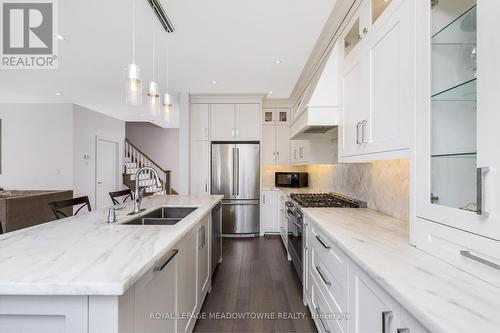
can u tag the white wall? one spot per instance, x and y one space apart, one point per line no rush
88 125
160 144
37 145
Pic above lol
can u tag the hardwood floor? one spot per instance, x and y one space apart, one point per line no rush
255 279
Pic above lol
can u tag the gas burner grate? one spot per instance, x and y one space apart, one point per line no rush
333 200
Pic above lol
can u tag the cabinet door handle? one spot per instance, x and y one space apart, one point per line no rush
263 199
403 330
469 255
232 132
301 152
320 316
323 242
479 191
206 186
363 125
386 317
357 133
365 30
237 132
173 253
323 277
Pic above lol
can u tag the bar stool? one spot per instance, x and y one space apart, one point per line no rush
57 206
127 193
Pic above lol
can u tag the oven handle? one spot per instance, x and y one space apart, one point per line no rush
294 220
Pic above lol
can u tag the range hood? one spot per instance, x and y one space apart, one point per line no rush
317 111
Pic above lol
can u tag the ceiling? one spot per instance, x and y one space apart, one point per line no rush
232 42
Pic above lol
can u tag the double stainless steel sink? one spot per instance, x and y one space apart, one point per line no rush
163 216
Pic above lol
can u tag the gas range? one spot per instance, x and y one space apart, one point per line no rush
333 200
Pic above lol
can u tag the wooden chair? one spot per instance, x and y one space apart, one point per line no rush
126 193
58 206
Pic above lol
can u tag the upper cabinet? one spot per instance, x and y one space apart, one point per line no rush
235 122
200 122
377 81
275 117
458 163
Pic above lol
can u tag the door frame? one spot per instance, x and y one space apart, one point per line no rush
117 160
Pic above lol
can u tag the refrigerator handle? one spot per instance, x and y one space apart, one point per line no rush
237 170
233 187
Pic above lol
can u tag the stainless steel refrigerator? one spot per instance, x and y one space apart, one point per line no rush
235 174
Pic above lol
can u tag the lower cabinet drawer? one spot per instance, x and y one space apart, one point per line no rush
326 315
334 288
475 254
332 257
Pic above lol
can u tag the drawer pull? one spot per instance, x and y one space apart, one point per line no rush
469 255
172 255
323 243
386 316
403 330
320 316
325 280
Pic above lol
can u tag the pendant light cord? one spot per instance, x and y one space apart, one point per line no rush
154 48
167 64
133 31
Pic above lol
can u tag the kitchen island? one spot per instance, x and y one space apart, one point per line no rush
81 274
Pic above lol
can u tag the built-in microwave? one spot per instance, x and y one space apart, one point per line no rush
291 179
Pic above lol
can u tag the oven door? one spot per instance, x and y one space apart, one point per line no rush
295 247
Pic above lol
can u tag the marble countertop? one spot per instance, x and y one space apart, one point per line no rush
84 255
442 297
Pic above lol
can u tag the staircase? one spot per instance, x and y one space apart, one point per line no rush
136 159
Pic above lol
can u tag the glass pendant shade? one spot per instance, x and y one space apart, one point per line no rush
133 85
167 102
153 93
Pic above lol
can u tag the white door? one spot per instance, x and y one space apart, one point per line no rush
353 98
268 144
247 122
200 167
391 83
222 122
106 171
269 215
282 145
370 305
199 122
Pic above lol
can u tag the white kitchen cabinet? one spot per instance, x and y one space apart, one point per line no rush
269 212
275 145
377 83
247 125
200 168
200 122
222 122
457 172
235 122
371 308
316 149
268 145
187 279
203 259
275 116
155 293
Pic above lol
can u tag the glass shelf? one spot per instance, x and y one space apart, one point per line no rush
456 155
466 91
461 31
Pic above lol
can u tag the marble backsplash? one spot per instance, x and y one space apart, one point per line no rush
384 185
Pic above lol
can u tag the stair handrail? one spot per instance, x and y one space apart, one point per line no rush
132 151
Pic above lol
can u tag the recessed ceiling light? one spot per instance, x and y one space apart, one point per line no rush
214 82
60 37
270 92
58 94
277 62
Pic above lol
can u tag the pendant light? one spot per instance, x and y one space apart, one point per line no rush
133 83
167 98
154 90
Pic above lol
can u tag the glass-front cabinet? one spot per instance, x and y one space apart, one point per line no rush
457 129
